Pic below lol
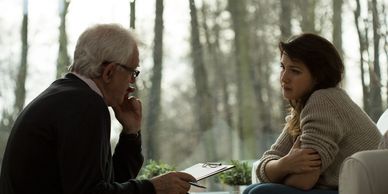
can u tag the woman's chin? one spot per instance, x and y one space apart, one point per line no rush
287 97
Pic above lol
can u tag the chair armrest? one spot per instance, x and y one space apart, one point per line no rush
364 172
253 173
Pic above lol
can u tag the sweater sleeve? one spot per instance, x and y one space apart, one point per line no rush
321 127
279 149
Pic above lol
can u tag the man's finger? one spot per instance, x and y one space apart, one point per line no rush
130 89
135 104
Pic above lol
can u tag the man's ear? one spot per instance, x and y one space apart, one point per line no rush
108 71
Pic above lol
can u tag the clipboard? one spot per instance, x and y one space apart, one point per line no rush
204 170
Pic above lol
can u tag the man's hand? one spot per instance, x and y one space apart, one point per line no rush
129 114
172 183
300 160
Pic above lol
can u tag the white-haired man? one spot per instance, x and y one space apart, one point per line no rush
60 142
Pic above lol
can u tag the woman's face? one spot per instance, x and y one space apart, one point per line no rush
295 78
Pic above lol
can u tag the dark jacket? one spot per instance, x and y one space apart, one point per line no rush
60 143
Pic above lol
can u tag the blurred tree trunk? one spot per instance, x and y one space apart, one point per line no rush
63 57
132 7
8 118
245 95
337 25
363 47
203 101
212 37
132 26
260 74
337 30
307 10
376 100
211 52
154 106
220 83
285 19
20 90
285 33
385 39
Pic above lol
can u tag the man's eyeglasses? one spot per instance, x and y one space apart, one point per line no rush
133 72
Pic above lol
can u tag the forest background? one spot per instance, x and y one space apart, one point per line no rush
209 69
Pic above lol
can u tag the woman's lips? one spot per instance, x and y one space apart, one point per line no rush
286 88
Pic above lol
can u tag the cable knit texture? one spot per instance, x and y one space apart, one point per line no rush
335 127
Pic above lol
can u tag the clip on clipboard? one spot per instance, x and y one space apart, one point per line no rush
203 170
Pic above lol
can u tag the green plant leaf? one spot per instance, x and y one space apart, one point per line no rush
239 175
155 168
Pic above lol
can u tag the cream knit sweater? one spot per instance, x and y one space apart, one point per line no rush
333 125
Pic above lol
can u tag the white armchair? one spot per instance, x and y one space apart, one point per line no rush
366 172
253 173
382 123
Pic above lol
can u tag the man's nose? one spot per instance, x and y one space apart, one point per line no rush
131 79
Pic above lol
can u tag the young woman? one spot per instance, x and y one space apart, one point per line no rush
324 125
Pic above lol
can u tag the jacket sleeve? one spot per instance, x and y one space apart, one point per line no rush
85 161
127 158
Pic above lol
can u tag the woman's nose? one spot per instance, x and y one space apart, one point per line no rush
284 77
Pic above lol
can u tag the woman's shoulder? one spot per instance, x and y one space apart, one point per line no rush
335 101
329 92
331 98
334 94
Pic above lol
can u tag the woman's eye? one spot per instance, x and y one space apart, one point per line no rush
295 71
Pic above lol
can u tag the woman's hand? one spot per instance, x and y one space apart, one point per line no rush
300 160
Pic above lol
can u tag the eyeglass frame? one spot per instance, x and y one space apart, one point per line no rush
134 72
211 164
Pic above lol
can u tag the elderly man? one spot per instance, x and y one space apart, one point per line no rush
60 142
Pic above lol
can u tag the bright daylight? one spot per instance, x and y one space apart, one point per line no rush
194 96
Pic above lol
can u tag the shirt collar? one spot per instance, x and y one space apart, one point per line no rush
89 82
